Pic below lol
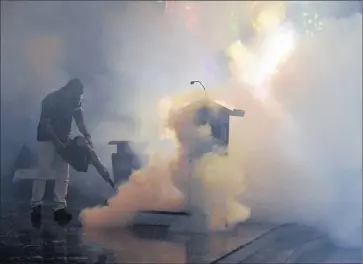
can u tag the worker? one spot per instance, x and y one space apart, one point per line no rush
58 109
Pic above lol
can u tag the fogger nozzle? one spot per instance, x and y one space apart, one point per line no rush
112 184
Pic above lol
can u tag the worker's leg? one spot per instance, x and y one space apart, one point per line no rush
46 154
61 183
61 215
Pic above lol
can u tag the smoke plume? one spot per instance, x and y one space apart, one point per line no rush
172 184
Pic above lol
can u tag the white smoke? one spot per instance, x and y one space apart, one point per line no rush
303 151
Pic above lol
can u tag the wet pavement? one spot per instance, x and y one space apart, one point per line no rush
21 243
247 243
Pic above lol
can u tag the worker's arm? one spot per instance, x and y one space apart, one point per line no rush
78 118
49 128
45 121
